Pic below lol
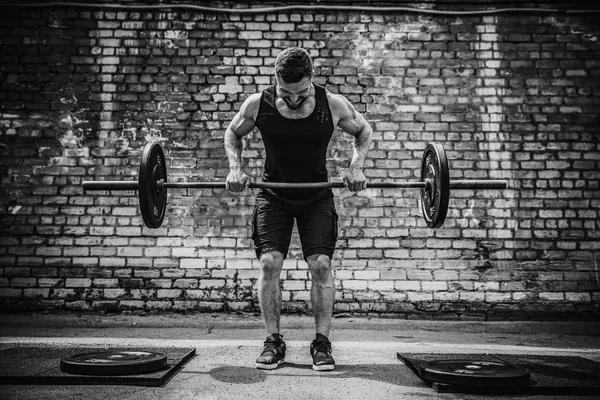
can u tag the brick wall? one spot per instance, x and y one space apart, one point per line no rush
511 96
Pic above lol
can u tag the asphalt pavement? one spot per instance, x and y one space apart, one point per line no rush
365 350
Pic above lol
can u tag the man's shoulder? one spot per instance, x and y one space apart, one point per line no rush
254 98
251 104
338 99
337 102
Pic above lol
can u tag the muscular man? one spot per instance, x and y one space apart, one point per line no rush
296 120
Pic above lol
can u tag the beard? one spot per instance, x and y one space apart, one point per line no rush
295 106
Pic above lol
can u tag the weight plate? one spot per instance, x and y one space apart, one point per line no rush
113 363
474 373
435 172
153 200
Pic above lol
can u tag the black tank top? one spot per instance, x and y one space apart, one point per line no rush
295 148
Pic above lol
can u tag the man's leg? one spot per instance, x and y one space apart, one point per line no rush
271 233
322 294
317 226
269 297
269 290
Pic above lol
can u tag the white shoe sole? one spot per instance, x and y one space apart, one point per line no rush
269 366
325 367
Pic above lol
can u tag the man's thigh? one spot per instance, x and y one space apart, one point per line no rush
271 228
318 228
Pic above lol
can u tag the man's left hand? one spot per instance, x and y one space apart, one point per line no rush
355 179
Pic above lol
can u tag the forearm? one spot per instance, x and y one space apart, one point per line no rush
361 145
233 149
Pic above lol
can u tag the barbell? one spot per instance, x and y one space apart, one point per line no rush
435 185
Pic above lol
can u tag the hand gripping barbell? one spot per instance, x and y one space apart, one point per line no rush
435 185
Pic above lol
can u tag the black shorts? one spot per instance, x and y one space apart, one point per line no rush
273 221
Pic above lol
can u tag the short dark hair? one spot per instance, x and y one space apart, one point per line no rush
293 64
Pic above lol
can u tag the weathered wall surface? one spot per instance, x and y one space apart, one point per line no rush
512 96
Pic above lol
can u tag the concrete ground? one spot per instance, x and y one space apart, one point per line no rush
226 345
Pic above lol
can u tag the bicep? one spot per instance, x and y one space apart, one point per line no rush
241 125
245 120
350 120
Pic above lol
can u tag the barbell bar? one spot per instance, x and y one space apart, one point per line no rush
435 185
132 185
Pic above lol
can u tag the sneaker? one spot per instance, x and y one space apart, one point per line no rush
321 355
273 353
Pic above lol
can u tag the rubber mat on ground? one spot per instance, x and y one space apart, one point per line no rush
550 375
40 365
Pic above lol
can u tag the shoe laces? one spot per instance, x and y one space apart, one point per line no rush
322 347
272 347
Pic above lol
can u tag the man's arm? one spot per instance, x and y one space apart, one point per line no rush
242 124
353 123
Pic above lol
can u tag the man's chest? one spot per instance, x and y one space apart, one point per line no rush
304 111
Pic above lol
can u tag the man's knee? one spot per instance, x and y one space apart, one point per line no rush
271 264
320 268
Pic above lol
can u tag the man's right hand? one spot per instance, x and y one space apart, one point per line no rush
237 181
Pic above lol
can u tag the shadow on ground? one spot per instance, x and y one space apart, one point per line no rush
395 374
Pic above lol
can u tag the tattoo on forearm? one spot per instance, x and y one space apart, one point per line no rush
362 145
233 149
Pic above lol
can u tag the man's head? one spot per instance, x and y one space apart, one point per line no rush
293 64
293 73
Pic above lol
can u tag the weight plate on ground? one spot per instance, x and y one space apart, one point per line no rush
153 199
436 196
474 373
113 363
